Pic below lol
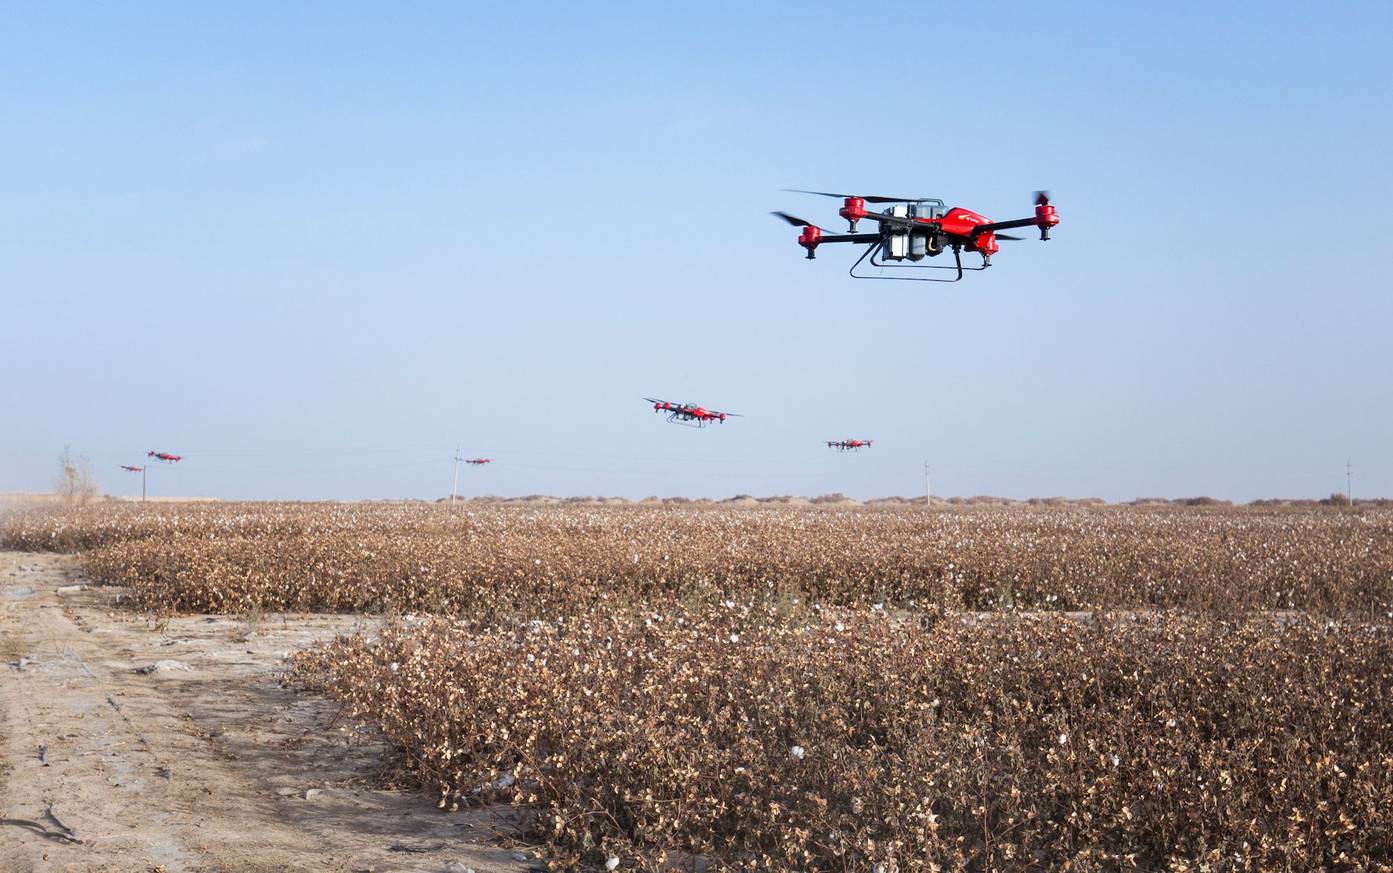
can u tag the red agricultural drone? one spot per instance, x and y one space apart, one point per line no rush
689 413
478 461
130 469
917 228
849 445
164 456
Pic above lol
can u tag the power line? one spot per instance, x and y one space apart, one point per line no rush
300 471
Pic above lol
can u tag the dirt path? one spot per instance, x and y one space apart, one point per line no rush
213 768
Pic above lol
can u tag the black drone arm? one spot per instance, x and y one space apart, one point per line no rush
994 226
848 238
897 221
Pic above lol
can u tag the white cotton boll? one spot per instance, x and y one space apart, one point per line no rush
797 753
735 638
1063 738
612 863
394 666
505 781
1116 760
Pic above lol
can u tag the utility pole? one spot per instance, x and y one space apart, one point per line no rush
143 468
454 487
1349 483
928 499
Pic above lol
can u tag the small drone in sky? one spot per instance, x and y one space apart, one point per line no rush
164 456
915 229
849 445
130 469
689 413
478 461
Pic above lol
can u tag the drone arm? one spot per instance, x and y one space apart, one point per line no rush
812 237
1002 225
1045 218
897 221
848 238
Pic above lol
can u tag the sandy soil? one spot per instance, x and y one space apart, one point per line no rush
214 768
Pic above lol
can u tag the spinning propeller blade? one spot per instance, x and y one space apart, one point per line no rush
874 199
793 219
1042 198
1012 238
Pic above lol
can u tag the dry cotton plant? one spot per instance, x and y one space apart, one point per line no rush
866 742
808 688
347 557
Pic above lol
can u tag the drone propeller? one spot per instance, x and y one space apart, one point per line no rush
1012 238
1042 198
793 219
875 199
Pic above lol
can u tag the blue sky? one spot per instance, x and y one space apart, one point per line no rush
314 246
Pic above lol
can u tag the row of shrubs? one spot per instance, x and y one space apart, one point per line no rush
858 741
516 559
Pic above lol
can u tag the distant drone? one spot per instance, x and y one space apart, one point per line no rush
689 413
916 229
130 469
849 445
478 461
165 456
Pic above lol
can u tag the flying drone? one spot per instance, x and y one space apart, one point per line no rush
478 461
130 469
164 456
849 445
689 413
917 228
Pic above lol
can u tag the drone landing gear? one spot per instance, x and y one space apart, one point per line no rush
872 250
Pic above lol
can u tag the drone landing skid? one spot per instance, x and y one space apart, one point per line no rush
673 419
876 247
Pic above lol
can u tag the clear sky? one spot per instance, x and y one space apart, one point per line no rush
313 246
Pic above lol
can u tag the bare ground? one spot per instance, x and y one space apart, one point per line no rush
217 768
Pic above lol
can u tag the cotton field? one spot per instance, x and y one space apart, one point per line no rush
833 688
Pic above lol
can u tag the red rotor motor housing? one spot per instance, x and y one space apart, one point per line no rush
853 211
